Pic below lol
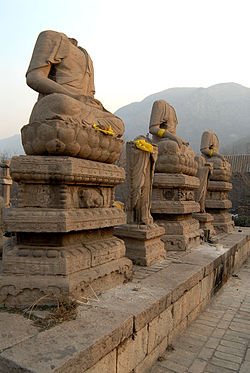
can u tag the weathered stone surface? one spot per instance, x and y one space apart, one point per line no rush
132 351
149 360
106 365
14 329
165 180
206 225
74 346
87 342
59 220
216 204
64 170
62 260
174 207
218 186
67 119
143 243
64 244
182 231
182 242
174 154
141 156
159 328
181 225
107 148
22 290
141 236
210 151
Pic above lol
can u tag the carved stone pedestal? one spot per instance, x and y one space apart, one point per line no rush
143 243
64 244
206 224
217 203
172 207
5 184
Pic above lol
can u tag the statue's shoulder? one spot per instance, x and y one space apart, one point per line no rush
208 133
52 35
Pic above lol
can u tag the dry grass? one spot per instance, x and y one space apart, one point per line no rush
64 311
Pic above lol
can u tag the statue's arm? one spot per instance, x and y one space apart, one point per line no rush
38 80
207 151
154 130
207 145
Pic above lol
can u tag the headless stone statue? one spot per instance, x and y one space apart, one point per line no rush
217 201
210 150
204 171
141 236
63 75
140 173
174 154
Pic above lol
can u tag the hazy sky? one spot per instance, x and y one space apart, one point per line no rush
138 47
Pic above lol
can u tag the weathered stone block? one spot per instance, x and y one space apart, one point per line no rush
207 286
159 328
106 365
132 351
172 207
151 358
143 243
165 180
64 244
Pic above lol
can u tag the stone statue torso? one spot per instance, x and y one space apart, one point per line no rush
71 66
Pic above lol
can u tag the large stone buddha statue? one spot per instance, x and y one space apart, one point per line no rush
210 151
174 154
67 119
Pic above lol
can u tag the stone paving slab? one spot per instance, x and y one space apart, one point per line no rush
20 330
73 346
218 341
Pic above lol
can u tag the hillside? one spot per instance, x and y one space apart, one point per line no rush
11 146
241 146
223 108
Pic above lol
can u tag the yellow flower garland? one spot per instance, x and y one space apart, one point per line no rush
109 131
144 145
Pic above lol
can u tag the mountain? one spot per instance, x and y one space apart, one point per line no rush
223 108
11 146
241 146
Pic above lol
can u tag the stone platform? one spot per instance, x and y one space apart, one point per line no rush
127 328
143 243
63 242
172 207
206 225
217 203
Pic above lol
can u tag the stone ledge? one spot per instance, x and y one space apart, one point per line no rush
127 317
61 220
217 186
65 170
139 232
174 207
218 204
163 180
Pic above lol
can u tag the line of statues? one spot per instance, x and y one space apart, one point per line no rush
68 120
69 236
